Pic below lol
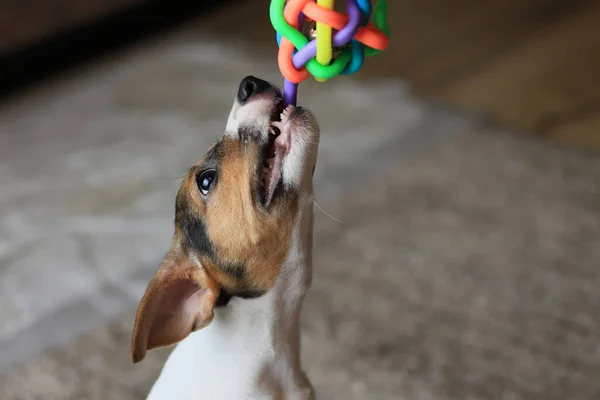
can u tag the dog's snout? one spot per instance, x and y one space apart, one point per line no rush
250 87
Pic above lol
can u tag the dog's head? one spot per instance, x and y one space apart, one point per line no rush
235 215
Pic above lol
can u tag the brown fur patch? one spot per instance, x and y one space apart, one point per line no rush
241 232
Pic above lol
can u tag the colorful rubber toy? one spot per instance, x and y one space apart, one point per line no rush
308 46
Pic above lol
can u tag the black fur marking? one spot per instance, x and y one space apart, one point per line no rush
225 296
223 299
250 294
196 238
194 229
234 270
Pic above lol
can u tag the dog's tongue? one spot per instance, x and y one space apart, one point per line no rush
273 176
282 144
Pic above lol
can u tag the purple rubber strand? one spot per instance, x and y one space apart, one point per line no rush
290 89
340 38
290 93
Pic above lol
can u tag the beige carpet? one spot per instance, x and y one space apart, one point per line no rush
467 269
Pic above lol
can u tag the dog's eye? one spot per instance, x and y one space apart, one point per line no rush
205 180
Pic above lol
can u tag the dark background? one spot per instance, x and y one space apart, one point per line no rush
530 64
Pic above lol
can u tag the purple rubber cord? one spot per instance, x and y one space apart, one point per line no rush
341 38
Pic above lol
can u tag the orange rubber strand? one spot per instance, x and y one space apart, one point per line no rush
286 48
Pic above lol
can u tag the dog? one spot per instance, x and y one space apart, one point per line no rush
230 290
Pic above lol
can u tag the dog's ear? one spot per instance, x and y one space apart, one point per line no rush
179 300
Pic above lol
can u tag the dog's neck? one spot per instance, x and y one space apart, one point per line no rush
251 349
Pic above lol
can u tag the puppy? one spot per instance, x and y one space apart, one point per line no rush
230 289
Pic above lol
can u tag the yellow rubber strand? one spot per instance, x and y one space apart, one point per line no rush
324 50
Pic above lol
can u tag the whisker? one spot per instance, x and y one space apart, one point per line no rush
324 212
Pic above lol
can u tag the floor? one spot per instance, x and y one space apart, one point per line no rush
456 260
531 65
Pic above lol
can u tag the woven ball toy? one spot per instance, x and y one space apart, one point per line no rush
315 40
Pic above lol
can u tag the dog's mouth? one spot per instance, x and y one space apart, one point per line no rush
275 151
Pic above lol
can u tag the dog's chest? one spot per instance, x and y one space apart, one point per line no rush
221 361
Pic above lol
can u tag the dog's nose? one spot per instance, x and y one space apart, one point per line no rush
251 86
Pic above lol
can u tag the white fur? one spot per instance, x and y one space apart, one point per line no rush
302 152
255 116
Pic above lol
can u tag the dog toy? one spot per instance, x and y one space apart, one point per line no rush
308 45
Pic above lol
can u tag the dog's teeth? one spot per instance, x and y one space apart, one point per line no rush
287 111
277 124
